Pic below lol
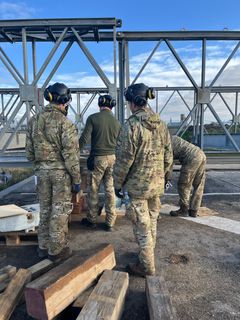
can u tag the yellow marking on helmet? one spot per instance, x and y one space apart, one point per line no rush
50 96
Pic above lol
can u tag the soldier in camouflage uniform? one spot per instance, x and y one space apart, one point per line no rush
52 146
192 176
143 156
103 128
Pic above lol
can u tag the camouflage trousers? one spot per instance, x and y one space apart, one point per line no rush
191 183
103 172
144 215
54 192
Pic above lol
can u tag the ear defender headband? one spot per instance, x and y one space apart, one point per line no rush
139 93
47 94
58 93
106 101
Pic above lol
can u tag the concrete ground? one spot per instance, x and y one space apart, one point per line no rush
203 283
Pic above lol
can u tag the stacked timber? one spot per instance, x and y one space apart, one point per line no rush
12 284
51 293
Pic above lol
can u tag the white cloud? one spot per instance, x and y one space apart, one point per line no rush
80 80
11 10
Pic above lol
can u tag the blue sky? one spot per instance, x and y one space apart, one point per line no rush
154 15
136 15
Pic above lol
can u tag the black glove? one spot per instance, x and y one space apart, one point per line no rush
118 193
76 188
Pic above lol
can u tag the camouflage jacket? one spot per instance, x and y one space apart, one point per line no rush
52 142
143 155
186 152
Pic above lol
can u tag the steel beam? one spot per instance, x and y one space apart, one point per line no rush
166 103
65 51
91 59
82 30
223 127
224 65
147 61
49 57
12 65
182 65
40 34
122 65
36 24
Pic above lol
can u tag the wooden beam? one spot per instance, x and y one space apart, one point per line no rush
107 299
12 295
51 293
40 268
158 298
36 270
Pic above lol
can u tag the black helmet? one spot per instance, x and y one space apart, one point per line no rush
106 101
58 93
139 93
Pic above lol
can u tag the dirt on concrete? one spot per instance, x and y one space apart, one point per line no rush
200 264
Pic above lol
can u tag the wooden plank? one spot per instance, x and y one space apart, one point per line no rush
12 239
48 295
40 268
158 298
7 272
107 298
16 238
36 270
12 295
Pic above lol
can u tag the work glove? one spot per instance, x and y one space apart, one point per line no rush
76 188
118 193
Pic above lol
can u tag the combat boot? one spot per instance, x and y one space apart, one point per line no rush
85 222
182 212
136 269
107 228
63 255
192 213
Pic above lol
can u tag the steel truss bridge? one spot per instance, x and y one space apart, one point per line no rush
26 99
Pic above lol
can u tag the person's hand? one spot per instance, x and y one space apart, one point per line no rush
76 187
118 193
